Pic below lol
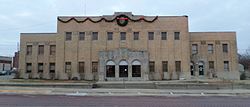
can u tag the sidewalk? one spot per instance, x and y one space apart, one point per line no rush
120 92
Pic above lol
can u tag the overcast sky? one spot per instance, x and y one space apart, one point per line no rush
39 16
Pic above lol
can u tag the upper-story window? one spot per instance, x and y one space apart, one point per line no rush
176 35
163 35
110 35
194 48
81 35
52 50
150 35
225 48
68 36
40 49
94 35
29 50
123 35
210 48
136 35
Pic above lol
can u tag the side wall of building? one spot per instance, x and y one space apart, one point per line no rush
217 55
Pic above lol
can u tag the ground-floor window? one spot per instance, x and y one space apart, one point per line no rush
28 67
110 71
192 69
81 67
94 66
67 67
136 70
52 67
151 66
40 67
123 71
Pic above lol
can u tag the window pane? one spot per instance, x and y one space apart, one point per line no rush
225 47
163 35
52 67
176 35
68 36
94 35
136 70
28 67
165 66
110 35
110 71
210 48
178 66
81 35
194 48
52 49
81 67
29 50
123 35
211 64
150 35
67 67
226 66
40 67
151 66
94 66
40 49
136 35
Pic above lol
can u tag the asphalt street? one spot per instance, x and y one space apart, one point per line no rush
122 101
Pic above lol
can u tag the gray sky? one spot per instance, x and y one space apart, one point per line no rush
39 16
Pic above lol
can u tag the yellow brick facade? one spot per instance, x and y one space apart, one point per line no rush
128 59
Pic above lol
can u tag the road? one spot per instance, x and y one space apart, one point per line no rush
85 101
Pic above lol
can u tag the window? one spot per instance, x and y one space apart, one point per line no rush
110 35
94 66
165 66
81 35
52 50
150 35
136 69
68 36
176 35
40 67
225 48
28 67
210 48
110 69
94 35
163 35
178 66
194 48
29 50
226 66
151 66
81 67
123 35
67 67
40 49
136 35
211 64
52 67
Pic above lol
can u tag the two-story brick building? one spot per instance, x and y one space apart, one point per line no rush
124 46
